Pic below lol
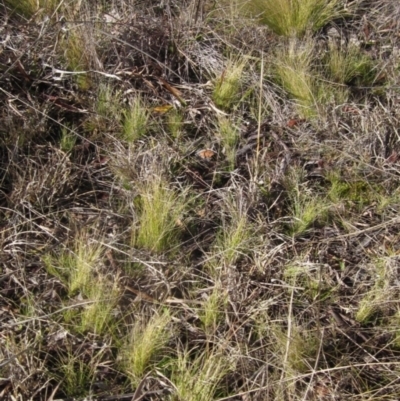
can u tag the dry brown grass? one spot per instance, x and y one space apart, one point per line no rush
240 241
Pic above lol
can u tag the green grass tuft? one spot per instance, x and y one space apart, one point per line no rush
296 17
227 87
144 343
29 7
229 134
349 66
307 209
136 121
198 378
295 72
160 210
212 310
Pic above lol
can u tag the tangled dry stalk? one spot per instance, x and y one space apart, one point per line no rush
195 206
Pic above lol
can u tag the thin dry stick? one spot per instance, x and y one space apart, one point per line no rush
40 318
289 335
259 111
385 224
312 374
198 8
315 366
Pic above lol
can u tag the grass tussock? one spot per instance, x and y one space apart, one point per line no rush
233 240
229 134
295 71
102 299
136 121
381 294
76 267
175 123
195 206
296 17
199 378
160 210
227 87
68 140
144 345
212 310
80 270
75 375
28 8
308 209
350 66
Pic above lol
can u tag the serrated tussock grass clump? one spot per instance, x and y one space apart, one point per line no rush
307 211
143 345
382 293
76 370
103 295
135 120
108 101
80 52
227 86
76 376
232 241
108 110
76 267
80 270
212 309
349 66
198 378
394 327
306 208
74 51
29 7
295 352
159 211
68 139
229 135
175 123
295 72
295 17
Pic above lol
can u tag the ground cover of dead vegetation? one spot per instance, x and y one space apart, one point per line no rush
199 200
